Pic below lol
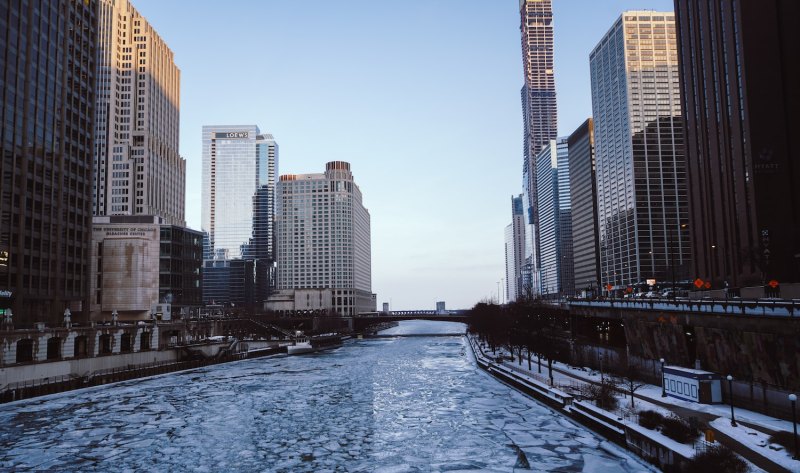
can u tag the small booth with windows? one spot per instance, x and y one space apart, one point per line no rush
693 385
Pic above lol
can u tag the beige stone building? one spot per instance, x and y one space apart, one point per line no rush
324 250
144 268
125 263
137 168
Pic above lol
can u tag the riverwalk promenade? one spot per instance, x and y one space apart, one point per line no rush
749 438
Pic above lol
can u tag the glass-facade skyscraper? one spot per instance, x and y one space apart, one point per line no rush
539 115
583 193
539 92
641 170
555 221
47 92
240 165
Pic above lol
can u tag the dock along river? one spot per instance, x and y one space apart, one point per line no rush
401 404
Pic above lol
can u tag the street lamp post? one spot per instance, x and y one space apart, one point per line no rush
663 380
793 400
730 393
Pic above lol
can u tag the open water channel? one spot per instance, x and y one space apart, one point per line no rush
386 405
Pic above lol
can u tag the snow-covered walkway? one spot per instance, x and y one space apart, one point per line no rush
750 439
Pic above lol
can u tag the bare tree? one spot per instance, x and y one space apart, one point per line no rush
631 379
601 393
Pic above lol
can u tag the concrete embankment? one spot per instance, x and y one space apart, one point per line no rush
84 373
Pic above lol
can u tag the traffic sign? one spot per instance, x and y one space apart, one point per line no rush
773 284
707 285
609 287
698 283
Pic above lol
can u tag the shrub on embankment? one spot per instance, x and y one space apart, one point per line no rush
716 459
673 427
650 419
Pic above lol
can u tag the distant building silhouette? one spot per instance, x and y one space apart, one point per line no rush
515 249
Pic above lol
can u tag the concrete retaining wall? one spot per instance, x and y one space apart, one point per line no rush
17 375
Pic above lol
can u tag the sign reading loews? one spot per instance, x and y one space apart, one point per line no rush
237 135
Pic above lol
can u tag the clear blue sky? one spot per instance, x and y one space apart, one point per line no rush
420 96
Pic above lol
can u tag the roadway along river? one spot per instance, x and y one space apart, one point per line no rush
391 404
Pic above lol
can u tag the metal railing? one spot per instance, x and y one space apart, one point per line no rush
753 307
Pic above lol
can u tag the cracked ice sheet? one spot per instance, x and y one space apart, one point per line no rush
406 404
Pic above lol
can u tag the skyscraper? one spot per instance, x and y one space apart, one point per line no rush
239 169
139 177
555 221
515 249
47 72
740 67
539 91
137 168
583 192
539 116
641 171
323 234
566 268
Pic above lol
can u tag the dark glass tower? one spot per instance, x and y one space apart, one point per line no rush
47 69
740 70
583 190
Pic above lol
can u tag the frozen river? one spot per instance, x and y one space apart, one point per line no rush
390 404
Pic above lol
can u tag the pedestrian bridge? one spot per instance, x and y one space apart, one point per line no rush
416 314
361 321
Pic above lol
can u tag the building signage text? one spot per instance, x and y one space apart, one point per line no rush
232 135
125 231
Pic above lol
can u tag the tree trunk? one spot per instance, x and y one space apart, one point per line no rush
539 361
529 360
632 392
550 370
